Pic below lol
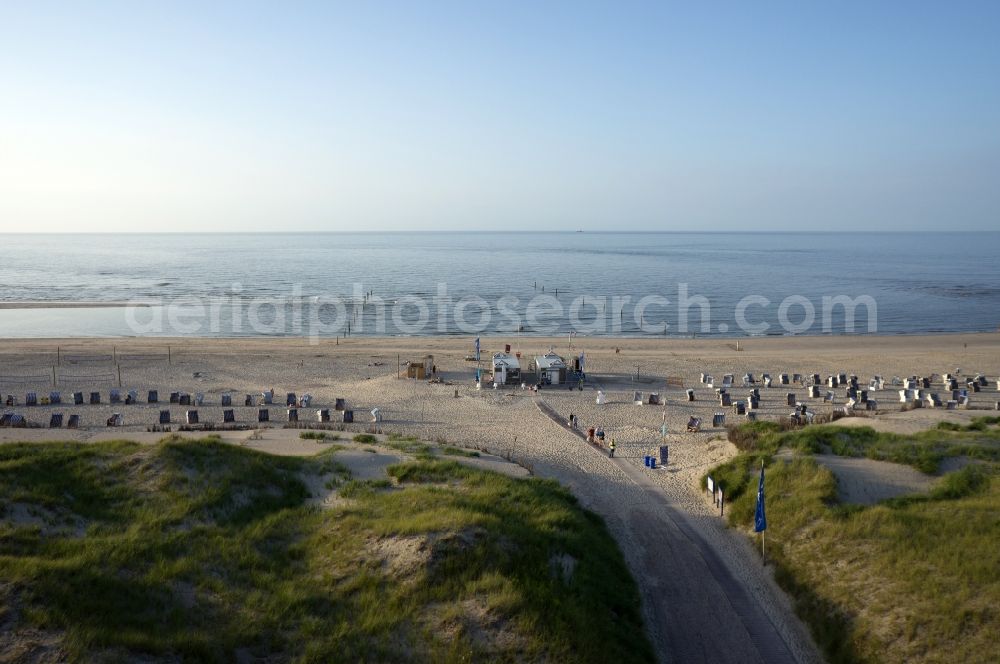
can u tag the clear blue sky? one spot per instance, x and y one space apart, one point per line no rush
366 115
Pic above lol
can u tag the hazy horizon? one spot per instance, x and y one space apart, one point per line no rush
448 117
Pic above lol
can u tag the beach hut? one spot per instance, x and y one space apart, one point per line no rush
74 422
291 400
420 369
267 397
184 399
348 416
814 391
191 417
31 399
228 416
131 398
506 369
152 397
690 395
293 414
694 424
115 396
175 397
305 400
719 420
766 380
116 420
551 368
727 381
227 400
199 399
323 415
263 415
340 404
654 399
376 415
740 408
600 398
637 398
249 401
725 399
753 403
783 378
56 421
164 417
55 398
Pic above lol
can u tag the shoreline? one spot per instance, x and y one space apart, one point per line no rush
558 341
41 304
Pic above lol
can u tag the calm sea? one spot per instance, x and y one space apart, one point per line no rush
677 284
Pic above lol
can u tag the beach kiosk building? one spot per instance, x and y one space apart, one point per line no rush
506 369
551 368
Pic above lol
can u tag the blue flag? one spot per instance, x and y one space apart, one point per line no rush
759 518
477 349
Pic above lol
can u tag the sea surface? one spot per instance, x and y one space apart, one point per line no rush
332 284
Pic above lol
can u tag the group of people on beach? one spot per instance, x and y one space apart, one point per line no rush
593 435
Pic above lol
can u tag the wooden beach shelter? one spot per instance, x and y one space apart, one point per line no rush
420 369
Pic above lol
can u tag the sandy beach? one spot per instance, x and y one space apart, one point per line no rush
705 593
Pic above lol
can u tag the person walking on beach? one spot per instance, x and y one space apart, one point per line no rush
611 449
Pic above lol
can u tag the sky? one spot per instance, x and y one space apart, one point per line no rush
336 116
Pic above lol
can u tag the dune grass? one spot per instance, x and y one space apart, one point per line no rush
924 450
204 551
911 579
319 436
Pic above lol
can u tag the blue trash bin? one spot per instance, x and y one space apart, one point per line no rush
652 462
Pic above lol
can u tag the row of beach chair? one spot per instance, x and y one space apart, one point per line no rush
191 417
153 396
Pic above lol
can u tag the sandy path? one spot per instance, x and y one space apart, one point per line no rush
677 565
